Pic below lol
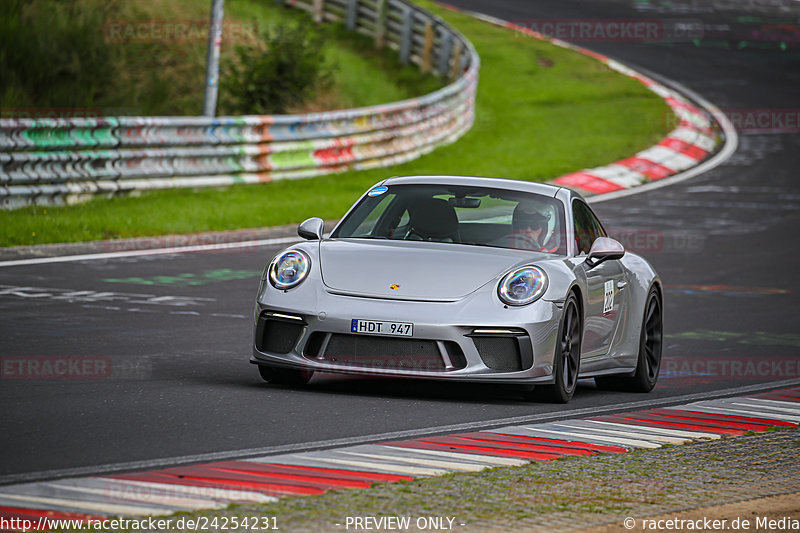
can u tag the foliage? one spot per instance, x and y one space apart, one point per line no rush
52 54
286 71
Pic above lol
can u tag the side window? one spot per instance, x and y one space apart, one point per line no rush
598 228
587 227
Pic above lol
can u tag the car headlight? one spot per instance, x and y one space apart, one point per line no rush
289 269
522 286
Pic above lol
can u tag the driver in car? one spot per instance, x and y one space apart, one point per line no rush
529 229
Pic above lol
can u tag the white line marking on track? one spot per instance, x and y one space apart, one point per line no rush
155 251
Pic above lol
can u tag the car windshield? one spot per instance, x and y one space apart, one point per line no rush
460 215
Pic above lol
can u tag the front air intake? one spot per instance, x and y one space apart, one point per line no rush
277 335
499 353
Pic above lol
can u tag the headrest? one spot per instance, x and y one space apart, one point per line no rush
434 218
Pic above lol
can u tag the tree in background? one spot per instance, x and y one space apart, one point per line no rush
53 54
285 70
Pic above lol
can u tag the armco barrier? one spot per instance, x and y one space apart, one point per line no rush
53 161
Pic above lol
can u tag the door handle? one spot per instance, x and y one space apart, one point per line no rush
621 284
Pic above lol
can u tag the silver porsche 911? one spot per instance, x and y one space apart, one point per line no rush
466 279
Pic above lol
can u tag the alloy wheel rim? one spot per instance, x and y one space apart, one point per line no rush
570 349
653 337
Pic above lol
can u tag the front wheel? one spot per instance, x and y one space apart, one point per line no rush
649 360
567 360
284 376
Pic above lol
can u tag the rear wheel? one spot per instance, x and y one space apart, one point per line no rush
649 361
567 361
284 376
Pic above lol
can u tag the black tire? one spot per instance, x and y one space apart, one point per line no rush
284 376
567 360
650 344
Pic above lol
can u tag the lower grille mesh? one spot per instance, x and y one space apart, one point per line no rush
384 352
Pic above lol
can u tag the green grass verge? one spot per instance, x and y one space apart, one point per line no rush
542 111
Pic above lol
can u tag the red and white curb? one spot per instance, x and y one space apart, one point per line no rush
215 485
683 149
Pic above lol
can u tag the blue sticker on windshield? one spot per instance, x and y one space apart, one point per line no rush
377 191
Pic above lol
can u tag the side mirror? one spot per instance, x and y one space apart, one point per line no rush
603 249
311 229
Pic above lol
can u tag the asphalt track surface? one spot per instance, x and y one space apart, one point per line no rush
171 380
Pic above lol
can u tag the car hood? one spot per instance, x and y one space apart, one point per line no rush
419 270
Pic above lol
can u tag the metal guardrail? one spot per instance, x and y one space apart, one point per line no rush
54 161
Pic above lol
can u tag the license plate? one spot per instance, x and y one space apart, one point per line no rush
378 327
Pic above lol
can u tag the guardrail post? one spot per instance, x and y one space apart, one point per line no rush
445 49
456 66
212 59
352 14
406 35
380 24
427 49
318 10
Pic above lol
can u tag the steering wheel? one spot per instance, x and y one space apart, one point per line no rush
520 241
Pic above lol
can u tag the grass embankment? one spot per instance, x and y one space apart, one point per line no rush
93 57
542 111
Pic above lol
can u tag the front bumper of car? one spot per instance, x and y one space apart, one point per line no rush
475 338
